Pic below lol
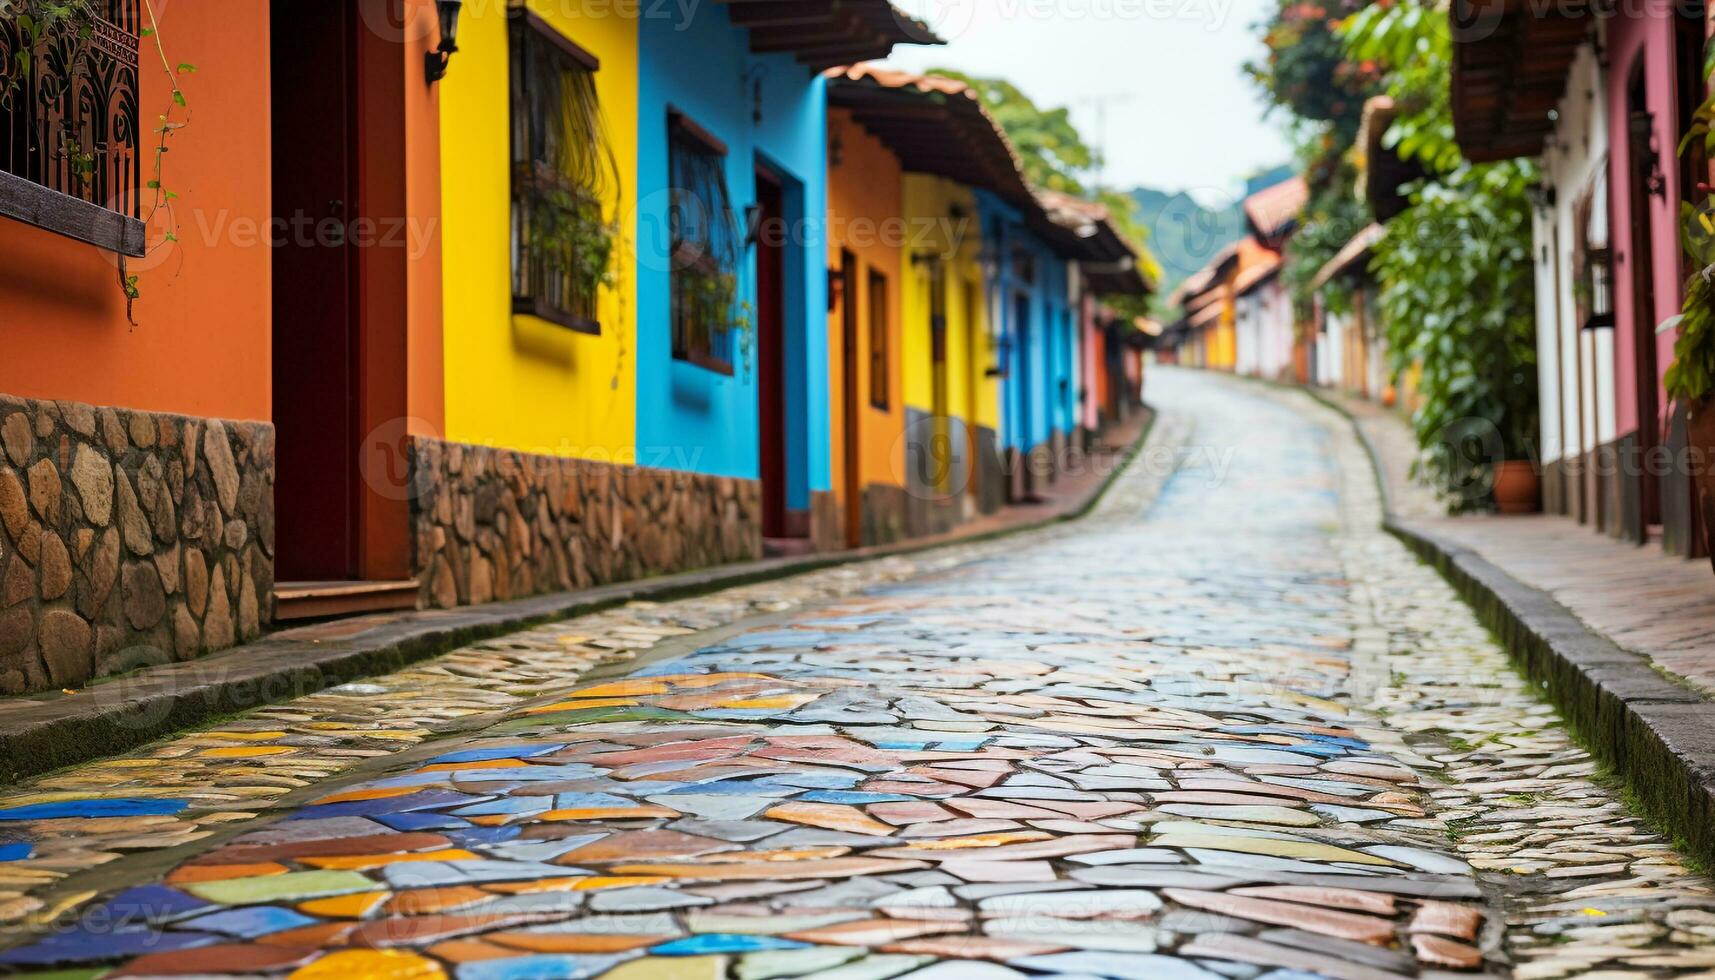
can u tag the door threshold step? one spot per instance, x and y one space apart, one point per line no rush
787 547
321 600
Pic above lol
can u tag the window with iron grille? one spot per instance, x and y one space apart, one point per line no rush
705 247
69 154
563 171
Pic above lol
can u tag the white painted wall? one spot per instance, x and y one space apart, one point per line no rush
1575 367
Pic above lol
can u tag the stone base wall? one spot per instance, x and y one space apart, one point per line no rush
827 523
990 471
492 524
128 538
883 514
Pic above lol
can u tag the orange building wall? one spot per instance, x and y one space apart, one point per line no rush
864 205
202 343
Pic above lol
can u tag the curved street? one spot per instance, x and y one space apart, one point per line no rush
1223 727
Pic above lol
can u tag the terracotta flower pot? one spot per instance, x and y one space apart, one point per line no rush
1518 489
1700 439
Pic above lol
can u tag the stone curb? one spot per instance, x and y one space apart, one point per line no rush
1656 736
123 713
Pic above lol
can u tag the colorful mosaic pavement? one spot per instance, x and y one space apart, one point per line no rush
1229 732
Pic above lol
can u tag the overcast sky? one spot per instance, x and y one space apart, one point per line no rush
1180 113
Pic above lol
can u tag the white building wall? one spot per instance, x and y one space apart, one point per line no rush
1575 366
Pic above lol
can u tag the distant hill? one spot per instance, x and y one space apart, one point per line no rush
1185 235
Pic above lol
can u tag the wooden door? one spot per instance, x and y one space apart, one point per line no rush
1644 161
771 355
315 304
941 455
851 397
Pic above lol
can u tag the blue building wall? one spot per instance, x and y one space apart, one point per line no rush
1036 338
706 421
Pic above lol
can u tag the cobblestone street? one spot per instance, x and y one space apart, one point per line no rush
1223 727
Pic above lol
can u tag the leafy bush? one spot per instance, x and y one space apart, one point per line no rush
1457 283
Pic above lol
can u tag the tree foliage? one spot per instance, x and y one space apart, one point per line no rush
1055 157
1052 150
1308 71
1309 74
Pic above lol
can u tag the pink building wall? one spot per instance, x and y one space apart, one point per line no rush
1645 40
1090 411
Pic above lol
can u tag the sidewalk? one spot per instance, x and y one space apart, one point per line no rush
1621 637
42 733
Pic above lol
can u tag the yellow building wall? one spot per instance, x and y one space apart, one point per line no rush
941 219
516 381
1224 349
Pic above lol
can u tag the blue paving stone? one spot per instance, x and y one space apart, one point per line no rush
250 922
496 752
527 774
549 966
109 807
720 942
853 799
813 780
586 801
420 821
145 904
428 799
84 945
477 836
425 874
506 804
16 851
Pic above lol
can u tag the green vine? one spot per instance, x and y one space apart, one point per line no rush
45 21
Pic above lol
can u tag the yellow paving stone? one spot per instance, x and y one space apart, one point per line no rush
779 702
1269 846
579 884
246 736
344 906
583 704
370 964
842 867
363 862
669 968
247 751
573 942
466 766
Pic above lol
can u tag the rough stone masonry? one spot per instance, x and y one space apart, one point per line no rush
127 538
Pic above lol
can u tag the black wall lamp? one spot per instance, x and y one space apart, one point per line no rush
436 61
